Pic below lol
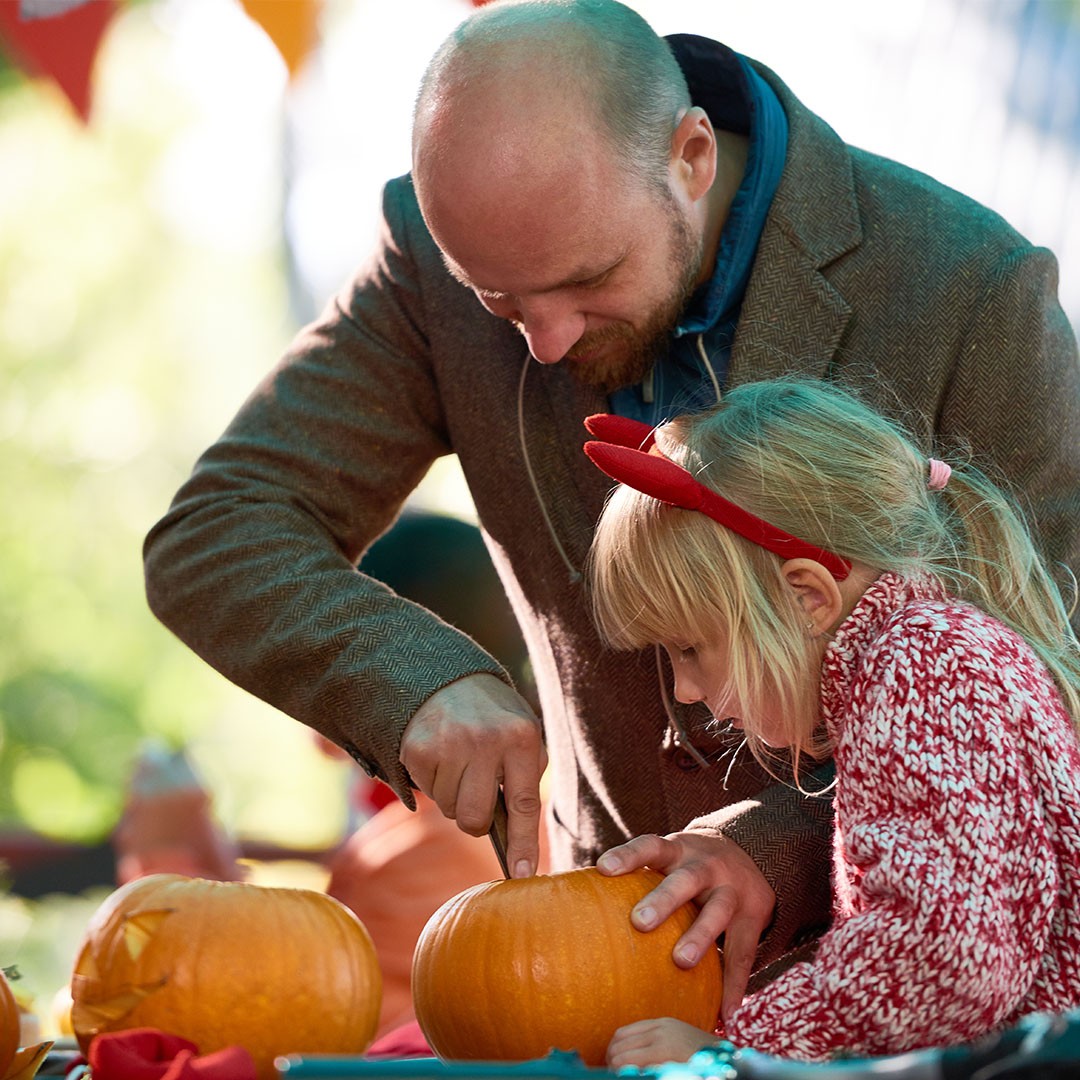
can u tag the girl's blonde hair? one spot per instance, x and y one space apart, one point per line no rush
811 459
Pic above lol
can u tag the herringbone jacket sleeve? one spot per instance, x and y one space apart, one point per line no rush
254 565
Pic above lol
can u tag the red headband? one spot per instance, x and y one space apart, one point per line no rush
627 454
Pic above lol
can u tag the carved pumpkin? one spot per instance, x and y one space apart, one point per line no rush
276 971
510 970
9 1025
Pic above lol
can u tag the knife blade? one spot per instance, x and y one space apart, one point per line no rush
497 832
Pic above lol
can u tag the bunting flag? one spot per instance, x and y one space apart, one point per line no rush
57 39
46 9
293 27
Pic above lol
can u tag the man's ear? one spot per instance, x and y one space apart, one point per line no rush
817 592
693 152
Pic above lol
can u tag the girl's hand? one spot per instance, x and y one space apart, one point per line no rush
715 873
652 1042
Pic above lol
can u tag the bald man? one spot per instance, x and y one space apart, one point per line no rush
651 221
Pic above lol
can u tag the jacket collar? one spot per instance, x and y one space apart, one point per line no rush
813 220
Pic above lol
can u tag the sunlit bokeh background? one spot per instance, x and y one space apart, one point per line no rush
156 259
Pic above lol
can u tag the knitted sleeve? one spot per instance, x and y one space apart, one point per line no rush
944 877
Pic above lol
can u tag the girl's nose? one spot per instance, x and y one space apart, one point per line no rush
687 691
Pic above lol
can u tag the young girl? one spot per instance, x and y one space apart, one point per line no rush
824 586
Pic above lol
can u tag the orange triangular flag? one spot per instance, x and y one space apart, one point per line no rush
293 27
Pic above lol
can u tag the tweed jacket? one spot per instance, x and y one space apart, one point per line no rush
957 838
866 272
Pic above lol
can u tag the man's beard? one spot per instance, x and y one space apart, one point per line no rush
633 351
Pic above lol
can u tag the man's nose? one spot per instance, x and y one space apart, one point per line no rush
550 328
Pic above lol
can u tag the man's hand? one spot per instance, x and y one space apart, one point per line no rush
463 742
734 897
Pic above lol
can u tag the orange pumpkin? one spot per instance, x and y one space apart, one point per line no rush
510 970
9 1025
220 963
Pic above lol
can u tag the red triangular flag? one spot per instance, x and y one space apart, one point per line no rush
61 47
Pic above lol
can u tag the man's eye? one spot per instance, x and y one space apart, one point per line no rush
593 282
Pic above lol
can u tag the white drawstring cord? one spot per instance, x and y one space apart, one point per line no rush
708 367
575 574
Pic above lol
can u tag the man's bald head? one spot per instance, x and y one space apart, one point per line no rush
567 180
534 74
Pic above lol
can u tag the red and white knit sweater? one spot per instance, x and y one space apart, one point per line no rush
957 844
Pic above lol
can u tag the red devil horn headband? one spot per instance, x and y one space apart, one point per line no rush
627 454
621 430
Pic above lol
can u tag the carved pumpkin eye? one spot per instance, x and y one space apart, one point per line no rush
509 970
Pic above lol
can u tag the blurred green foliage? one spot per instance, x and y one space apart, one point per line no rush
126 342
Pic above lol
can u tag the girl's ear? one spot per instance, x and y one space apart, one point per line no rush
817 592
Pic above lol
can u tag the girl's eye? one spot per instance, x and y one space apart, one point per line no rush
686 651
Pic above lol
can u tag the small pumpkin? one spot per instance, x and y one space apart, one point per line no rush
510 970
60 1012
9 1025
274 970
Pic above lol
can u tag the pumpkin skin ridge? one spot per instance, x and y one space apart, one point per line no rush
488 985
246 992
9 1025
435 1031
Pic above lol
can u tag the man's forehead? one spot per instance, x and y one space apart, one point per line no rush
562 214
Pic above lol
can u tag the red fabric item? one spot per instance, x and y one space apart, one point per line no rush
148 1054
381 795
405 1041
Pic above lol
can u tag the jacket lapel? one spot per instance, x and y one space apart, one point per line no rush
792 319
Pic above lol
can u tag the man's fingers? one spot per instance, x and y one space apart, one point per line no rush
523 824
523 766
444 788
645 850
682 885
712 920
740 949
